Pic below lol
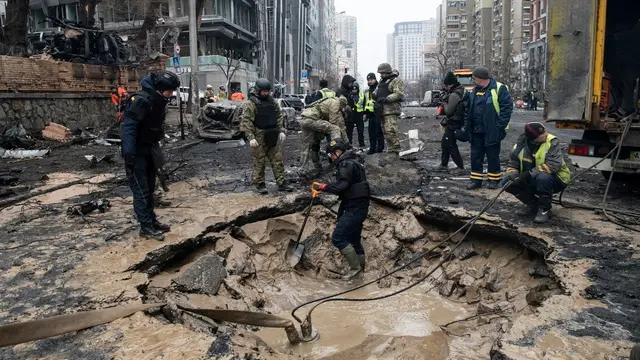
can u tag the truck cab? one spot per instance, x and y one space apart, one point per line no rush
464 78
593 72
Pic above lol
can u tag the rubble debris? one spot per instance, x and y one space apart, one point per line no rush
408 229
229 144
102 205
537 295
465 251
485 308
521 291
415 144
22 154
57 132
446 289
466 280
204 276
96 160
538 269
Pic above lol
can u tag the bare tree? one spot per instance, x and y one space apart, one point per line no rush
233 64
445 55
14 34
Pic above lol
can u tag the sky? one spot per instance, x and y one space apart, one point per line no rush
376 19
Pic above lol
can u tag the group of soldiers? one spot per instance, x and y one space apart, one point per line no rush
331 116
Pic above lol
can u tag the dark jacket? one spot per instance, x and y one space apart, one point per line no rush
454 107
143 120
492 123
345 88
351 182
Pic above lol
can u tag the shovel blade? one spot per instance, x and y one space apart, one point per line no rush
294 252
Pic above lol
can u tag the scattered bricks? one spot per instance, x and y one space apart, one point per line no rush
56 132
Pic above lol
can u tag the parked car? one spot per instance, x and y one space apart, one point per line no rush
431 98
184 96
289 113
294 101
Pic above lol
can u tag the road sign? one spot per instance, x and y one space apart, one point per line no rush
304 74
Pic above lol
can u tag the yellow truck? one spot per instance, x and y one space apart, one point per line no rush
593 67
464 78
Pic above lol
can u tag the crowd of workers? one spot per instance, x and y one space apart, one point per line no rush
535 171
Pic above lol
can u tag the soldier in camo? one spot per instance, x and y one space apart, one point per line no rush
324 117
388 95
261 120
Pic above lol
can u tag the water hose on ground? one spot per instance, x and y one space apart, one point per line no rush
306 324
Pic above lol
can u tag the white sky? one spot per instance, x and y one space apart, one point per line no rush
376 19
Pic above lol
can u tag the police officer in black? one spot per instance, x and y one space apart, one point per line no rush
352 188
141 131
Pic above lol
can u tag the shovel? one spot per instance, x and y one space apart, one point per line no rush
295 247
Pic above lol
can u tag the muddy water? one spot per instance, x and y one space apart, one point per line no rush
344 325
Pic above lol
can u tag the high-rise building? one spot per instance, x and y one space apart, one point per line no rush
511 23
482 32
537 46
346 45
391 50
454 32
409 40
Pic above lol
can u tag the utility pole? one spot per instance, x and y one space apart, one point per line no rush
193 54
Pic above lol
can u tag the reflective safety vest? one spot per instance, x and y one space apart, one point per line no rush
564 174
368 101
327 93
494 99
360 103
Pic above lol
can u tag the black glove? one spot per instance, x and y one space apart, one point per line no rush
382 100
523 178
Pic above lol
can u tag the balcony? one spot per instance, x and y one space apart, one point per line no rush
210 62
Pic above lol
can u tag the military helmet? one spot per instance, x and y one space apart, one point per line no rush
335 145
165 80
263 84
384 68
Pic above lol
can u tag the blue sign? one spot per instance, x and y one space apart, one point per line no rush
304 74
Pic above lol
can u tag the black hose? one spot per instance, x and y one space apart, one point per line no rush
330 298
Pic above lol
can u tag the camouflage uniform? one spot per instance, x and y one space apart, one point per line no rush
262 152
388 95
323 118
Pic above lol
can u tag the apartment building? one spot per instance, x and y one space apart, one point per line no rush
482 33
536 48
455 30
409 40
346 45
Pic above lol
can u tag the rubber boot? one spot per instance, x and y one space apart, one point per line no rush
544 209
149 232
528 209
362 261
474 185
350 255
262 189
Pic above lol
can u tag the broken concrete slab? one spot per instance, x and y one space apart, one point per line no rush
408 229
447 287
204 276
230 144
516 293
485 308
466 280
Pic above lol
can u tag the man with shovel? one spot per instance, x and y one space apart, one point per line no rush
352 188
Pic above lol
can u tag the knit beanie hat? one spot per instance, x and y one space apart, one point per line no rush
480 72
371 76
451 79
533 130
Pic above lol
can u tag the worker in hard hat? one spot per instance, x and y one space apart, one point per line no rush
209 92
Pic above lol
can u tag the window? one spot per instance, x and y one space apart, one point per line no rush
453 26
463 18
453 35
349 53
453 18
526 10
454 3
526 22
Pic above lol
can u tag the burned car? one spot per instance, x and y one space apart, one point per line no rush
220 120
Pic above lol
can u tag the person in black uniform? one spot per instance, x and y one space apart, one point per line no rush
352 188
142 124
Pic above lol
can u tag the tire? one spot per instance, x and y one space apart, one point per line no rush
173 101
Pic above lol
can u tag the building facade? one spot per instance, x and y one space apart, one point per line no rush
536 48
346 45
454 32
482 33
409 40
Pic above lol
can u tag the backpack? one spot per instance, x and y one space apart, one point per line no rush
129 100
461 109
